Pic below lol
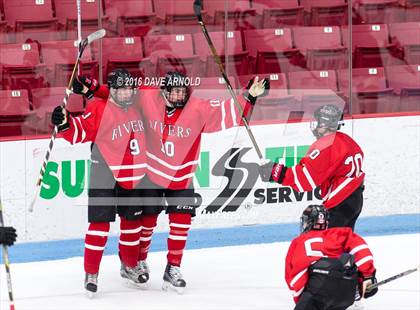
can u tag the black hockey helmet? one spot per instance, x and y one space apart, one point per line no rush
120 83
314 217
328 116
175 79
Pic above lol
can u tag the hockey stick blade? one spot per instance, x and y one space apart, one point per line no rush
198 5
96 36
395 277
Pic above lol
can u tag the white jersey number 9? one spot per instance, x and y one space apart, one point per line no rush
134 147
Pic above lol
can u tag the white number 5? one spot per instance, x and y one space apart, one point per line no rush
308 247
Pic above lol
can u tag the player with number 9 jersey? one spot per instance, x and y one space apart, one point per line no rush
118 165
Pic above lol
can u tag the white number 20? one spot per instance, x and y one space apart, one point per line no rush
356 164
134 147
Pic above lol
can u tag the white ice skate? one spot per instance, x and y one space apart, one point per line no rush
143 270
91 284
172 278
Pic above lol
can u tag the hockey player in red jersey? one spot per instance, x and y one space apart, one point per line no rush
325 266
116 130
175 122
333 162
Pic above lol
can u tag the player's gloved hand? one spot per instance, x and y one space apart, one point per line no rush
7 235
60 118
85 86
272 172
256 88
367 281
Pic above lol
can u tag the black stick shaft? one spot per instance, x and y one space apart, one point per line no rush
197 6
7 264
397 276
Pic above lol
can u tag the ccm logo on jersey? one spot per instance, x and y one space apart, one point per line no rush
276 172
182 207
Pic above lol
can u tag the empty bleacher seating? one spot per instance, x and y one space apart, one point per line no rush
130 17
325 12
405 81
375 11
228 46
370 92
122 52
172 52
370 45
232 14
66 12
60 57
20 66
14 112
213 88
314 87
178 16
271 50
406 37
321 47
278 13
31 19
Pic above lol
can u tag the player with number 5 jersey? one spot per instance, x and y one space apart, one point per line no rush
333 163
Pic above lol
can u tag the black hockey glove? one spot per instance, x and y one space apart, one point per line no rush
7 235
365 286
60 118
80 82
272 172
259 89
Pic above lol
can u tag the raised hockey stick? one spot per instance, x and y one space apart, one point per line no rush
92 37
7 264
197 10
397 276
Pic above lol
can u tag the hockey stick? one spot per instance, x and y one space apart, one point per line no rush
197 10
79 25
7 264
92 37
397 276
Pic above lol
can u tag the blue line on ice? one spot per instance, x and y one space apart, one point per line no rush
217 237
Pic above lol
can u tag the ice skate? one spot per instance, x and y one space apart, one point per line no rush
91 284
131 275
143 270
172 278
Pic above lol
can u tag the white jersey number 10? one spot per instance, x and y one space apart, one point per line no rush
168 148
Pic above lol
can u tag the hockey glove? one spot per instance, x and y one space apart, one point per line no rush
272 172
7 235
256 89
60 118
85 86
366 292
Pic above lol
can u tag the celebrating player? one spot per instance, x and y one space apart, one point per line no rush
116 130
333 162
175 122
324 266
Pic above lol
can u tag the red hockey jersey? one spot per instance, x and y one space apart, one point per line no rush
309 247
174 138
119 135
334 163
